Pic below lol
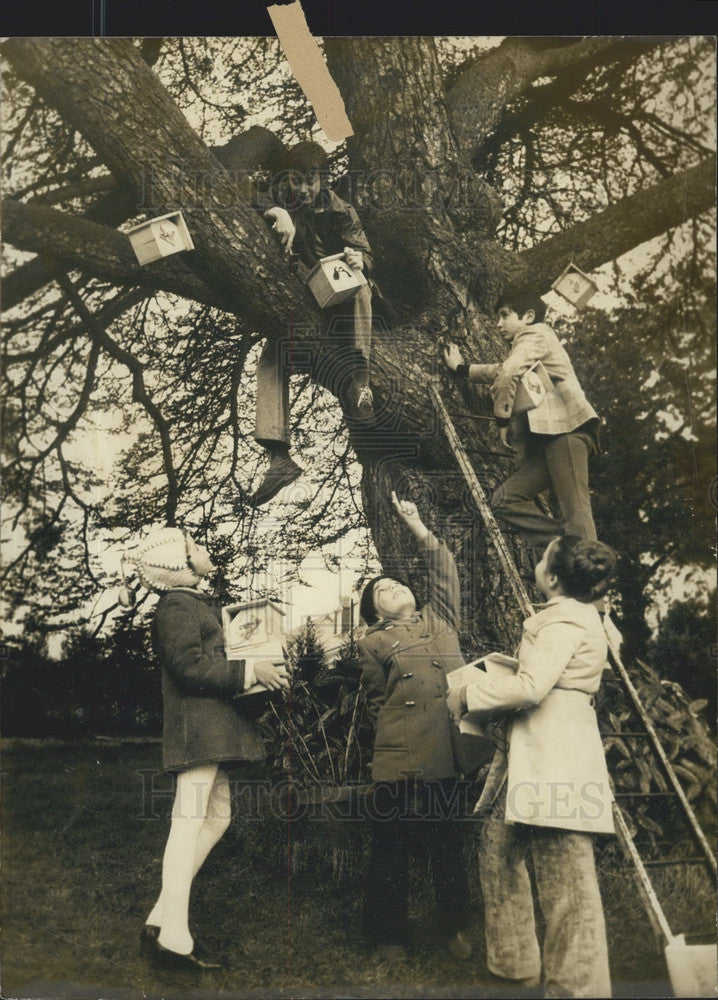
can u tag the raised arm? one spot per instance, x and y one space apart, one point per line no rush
444 589
475 373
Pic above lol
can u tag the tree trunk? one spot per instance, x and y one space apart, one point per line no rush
406 146
431 221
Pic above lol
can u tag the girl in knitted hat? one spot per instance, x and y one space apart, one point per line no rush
204 730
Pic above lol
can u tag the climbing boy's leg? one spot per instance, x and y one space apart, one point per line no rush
567 462
363 399
362 325
271 426
514 501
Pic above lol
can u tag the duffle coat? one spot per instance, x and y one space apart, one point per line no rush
554 766
404 666
202 723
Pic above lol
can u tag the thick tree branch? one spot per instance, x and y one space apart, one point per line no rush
76 244
110 210
149 145
625 225
478 98
80 189
242 153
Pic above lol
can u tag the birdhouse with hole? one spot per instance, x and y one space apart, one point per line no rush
253 629
332 281
160 237
575 286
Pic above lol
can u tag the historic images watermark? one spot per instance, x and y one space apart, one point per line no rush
550 803
407 187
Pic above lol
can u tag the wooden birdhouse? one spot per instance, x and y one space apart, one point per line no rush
253 629
332 281
160 237
575 286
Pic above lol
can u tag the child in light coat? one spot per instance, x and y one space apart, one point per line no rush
548 791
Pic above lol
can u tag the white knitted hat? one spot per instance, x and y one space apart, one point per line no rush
161 561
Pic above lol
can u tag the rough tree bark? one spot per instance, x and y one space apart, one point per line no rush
430 218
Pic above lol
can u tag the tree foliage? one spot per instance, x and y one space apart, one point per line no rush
471 165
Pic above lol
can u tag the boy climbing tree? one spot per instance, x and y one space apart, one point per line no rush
554 439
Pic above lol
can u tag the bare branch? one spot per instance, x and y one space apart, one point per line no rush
140 395
618 229
477 100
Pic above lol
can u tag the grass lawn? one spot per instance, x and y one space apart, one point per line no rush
81 862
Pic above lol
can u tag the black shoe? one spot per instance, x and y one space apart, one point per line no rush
173 961
275 479
148 939
364 407
459 946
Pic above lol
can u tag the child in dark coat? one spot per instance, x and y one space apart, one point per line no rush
204 730
405 657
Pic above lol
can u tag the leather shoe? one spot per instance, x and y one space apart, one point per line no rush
173 961
460 946
148 939
275 479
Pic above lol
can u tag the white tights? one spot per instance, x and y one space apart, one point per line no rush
200 816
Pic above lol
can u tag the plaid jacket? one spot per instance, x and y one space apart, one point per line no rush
564 408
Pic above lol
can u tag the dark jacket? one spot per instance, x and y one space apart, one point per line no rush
323 228
201 722
404 667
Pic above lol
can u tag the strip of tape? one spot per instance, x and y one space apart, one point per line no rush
310 70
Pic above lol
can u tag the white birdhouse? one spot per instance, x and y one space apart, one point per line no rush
254 631
575 286
332 281
160 237
257 625
533 386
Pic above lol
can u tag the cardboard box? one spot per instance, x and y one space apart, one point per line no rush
332 281
160 237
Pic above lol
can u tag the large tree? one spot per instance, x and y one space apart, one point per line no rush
472 168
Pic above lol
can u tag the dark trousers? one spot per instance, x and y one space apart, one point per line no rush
559 462
424 811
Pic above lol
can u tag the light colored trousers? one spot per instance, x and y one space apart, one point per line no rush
575 951
275 364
